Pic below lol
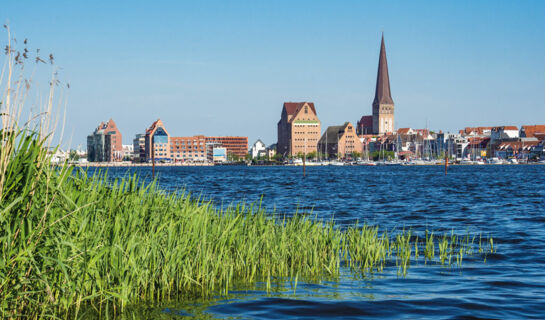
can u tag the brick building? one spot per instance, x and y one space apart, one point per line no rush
105 143
340 141
382 120
195 148
237 146
298 129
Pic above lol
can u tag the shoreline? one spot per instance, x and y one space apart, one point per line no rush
129 164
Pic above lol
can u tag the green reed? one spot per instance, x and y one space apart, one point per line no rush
73 244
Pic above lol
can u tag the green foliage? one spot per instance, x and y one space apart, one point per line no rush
73 156
379 155
356 155
79 246
312 155
233 157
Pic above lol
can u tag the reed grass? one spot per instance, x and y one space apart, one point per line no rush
74 245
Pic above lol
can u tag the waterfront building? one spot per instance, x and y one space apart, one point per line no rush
139 148
365 125
196 148
219 155
504 132
382 119
189 148
237 147
518 149
383 104
340 141
157 142
271 151
128 152
258 149
105 143
298 129
532 131
501 134
476 148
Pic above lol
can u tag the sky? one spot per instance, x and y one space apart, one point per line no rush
226 67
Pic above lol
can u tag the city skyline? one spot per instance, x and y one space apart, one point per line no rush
225 69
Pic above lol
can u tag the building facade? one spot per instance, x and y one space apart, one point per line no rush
236 146
157 144
105 143
139 148
188 148
196 148
340 142
258 149
298 129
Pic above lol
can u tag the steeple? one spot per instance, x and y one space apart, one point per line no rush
382 92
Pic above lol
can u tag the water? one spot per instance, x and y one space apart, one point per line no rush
507 202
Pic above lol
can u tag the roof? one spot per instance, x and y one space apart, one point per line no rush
154 125
259 140
505 128
531 131
476 130
292 107
478 142
403 130
382 91
518 145
366 121
333 133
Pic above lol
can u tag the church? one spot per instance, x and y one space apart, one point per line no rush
382 120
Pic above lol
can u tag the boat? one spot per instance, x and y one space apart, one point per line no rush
513 161
495 161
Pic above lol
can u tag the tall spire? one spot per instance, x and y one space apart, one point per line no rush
382 92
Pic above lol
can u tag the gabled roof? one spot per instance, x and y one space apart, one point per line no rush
382 91
157 123
259 140
293 107
333 133
366 121
404 130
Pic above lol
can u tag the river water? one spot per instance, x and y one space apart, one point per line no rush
505 202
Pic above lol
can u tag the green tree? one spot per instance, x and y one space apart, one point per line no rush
356 154
73 155
312 155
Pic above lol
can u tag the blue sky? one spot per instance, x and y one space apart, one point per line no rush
226 67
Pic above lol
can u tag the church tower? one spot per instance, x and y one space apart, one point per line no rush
383 104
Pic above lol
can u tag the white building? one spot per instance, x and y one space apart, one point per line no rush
257 149
128 151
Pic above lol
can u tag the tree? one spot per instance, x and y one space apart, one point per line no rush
73 156
382 155
233 157
356 154
312 155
